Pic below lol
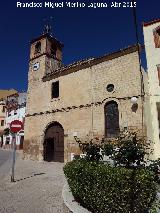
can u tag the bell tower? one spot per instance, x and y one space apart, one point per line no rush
45 54
45 57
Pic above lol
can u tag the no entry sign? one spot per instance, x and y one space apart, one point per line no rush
16 126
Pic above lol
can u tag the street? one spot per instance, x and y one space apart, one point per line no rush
4 156
5 163
37 187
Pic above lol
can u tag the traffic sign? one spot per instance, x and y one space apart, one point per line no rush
16 126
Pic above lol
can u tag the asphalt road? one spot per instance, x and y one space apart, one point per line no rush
4 156
37 187
5 162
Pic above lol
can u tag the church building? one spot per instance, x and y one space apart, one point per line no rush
96 97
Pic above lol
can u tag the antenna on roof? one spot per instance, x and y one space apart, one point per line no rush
47 25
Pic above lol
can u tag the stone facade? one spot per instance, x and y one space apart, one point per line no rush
82 97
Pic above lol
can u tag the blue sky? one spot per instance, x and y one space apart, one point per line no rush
85 32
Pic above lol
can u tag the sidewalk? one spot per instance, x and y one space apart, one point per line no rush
37 188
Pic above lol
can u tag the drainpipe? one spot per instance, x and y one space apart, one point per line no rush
89 62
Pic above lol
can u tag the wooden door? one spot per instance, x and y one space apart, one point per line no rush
54 144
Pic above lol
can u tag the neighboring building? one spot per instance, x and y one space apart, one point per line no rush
2 116
3 96
90 97
16 107
152 46
5 93
2 120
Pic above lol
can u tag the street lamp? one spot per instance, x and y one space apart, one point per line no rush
134 100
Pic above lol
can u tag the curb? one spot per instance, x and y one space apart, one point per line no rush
69 201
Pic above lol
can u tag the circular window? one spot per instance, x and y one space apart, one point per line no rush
110 87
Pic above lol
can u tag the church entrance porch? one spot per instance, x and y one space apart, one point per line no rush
53 147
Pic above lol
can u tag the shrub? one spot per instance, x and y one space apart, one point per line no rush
127 150
130 151
91 148
155 167
108 149
102 188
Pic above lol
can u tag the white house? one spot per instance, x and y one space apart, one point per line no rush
152 47
16 108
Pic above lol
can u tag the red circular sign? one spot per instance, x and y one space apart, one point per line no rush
16 126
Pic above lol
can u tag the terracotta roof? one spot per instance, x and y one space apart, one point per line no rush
5 93
82 64
145 24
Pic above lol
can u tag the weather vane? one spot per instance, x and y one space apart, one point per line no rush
47 26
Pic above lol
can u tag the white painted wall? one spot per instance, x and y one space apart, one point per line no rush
20 115
153 59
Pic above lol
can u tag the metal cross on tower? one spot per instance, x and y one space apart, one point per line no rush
47 27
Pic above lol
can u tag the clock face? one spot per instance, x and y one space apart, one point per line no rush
36 66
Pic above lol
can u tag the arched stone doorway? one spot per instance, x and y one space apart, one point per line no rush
111 119
53 147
